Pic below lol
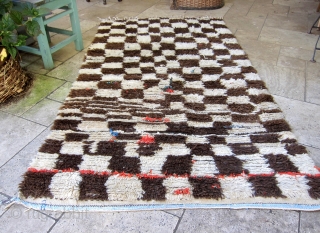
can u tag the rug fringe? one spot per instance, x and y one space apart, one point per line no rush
146 207
112 19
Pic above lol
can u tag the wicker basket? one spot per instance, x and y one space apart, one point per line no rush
197 4
13 80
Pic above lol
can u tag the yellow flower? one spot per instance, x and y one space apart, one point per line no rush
3 54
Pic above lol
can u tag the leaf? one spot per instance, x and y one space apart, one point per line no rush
33 28
13 37
27 9
21 40
5 6
8 23
16 16
12 51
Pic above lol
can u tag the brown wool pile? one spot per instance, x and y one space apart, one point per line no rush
169 113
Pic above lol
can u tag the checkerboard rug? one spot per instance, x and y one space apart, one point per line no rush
169 113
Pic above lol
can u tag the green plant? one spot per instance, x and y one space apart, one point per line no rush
13 17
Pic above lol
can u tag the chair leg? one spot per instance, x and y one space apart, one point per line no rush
313 25
48 34
74 18
315 49
44 46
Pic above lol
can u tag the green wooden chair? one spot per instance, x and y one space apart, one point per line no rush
68 7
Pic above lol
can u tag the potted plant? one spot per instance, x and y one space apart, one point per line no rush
14 79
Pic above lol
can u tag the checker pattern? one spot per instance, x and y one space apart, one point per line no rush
169 109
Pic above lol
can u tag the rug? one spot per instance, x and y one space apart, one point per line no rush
169 113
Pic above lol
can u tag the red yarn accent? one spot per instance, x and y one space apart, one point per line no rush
87 172
169 90
312 175
265 174
68 170
166 120
31 169
146 139
216 186
149 176
182 191
152 119
290 173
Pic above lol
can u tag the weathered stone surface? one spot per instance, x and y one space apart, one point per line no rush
16 133
142 221
43 112
225 220
11 173
303 119
309 222
18 219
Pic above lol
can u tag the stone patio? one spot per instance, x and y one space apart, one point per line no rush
272 32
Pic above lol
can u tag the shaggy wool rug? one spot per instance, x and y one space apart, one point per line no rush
169 113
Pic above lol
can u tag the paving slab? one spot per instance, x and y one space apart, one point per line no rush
16 133
309 222
239 8
217 13
293 22
68 51
303 118
307 8
19 219
292 63
63 22
43 112
11 173
3 203
271 9
134 5
37 67
68 71
98 11
312 88
312 17
297 53
314 67
177 212
61 93
86 25
249 26
288 38
260 50
84 4
89 35
41 87
161 10
127 14
225 220
142 221
28 58
281 81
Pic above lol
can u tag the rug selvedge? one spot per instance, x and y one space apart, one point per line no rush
169 111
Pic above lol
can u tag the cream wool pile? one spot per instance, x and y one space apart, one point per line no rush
169 113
